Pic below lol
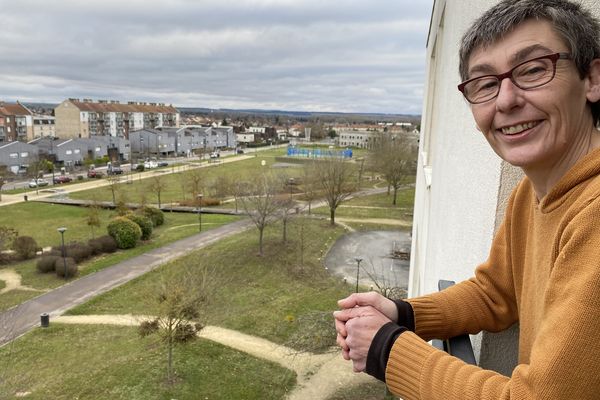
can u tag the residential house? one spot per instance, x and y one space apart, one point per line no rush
17 122
244 138
75 118
360 139
17 155
462 186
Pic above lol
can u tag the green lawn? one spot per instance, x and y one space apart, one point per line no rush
107 362
177 186
376 206
273 296
177 226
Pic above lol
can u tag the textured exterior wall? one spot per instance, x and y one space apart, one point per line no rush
67 120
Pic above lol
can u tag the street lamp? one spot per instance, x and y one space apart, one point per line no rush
358 261
291 184
200 212
62 236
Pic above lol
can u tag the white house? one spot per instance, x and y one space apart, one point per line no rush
462 186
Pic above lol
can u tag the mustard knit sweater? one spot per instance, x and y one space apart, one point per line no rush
543 271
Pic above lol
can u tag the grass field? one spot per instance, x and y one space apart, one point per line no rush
275 296
177 226
105 362
269 296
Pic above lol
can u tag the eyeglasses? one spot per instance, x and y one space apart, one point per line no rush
527 75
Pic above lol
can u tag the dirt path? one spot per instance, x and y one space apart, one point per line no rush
13 281
318 375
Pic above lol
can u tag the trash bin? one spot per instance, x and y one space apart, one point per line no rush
25 197
45 320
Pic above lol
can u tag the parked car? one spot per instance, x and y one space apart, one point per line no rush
215 154
114 170
163 164
240 151
92 173
38 183
148 164
62 179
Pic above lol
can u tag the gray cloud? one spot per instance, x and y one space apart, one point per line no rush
353 56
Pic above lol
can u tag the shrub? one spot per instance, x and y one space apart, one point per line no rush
109 245
59 267
125 232
7 258
156 216
47 263
140 168
78 251
148 327
25 247
143 222
96 246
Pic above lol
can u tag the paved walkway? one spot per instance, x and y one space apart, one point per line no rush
23 317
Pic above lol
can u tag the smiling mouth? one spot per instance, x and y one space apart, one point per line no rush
516 129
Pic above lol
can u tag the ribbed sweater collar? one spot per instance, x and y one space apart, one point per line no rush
586 168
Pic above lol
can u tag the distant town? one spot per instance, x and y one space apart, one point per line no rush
79 131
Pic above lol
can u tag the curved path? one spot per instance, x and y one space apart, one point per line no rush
318 375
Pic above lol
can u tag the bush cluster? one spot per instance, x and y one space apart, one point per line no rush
125 232
46 263
143 222
103 244
59 267
206 202
25 247
156 216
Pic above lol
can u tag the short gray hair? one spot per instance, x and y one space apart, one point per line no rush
575 25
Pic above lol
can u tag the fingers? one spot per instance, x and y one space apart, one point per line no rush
360 299
372 299
349 313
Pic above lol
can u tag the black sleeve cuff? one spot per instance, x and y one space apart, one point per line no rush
379 352
406 316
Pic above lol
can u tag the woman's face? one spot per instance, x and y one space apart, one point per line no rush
537 128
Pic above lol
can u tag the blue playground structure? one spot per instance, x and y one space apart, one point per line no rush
318 153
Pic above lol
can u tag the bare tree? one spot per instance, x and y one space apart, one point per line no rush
310 183
394 157
157 186
195 182
179 306
113 185
93 217
286 203
335 177
261 203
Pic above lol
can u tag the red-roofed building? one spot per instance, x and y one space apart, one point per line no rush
75 118
16 122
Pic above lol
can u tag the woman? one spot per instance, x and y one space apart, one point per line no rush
531 73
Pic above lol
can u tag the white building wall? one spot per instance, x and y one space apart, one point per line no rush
112 130
138 120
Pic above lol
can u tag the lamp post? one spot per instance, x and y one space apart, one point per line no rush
291 184
358 260
62 236
199 213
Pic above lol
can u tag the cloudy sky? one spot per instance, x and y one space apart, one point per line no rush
304 55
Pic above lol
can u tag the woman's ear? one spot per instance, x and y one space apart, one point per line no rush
593 78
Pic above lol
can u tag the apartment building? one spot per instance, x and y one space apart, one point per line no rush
86 118
17 122
43 126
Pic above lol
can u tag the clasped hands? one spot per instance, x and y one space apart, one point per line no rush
361 317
